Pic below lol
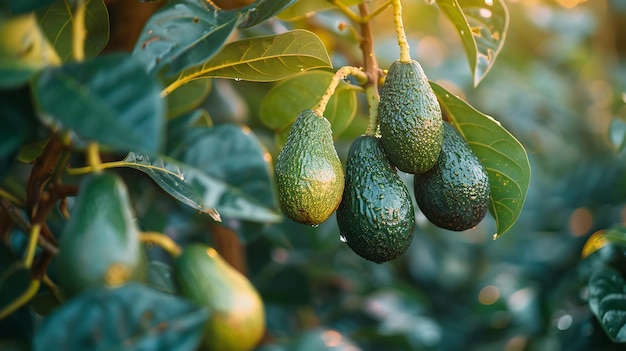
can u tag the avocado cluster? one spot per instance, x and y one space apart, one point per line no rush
374 209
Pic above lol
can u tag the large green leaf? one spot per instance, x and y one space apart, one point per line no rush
161 277
182 34
262 59
133 317
503 156
607 301
482 25
234 155
302 8
110 99
201 191
56 23
13 7
261 10
284 102
24 50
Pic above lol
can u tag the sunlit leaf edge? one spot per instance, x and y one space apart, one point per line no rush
500 179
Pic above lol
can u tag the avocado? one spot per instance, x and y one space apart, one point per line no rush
454 194
100 244
308 172
376 217
411 124
237 320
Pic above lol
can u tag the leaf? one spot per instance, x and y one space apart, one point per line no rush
160 277
261 10
232 154
188 97
602 238
262 59
182 34
13 7
110 99
284 102
133 317
198 190
56 23
503 156
181 129
607 301
24 50
482 26
302 8
617 133
18 121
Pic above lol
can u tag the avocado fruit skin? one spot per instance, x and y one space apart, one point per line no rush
454 194
237 319
99 244
376 216
308 172
411 123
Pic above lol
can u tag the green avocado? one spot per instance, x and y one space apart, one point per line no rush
100 243
454 194
411 125
376 217
237 319
308 172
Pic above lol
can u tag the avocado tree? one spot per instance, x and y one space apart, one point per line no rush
171 195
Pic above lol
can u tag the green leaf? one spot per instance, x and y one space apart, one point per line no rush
482 26
13 7
188 97
261 10
133 317
302 8
56 23
110 99
503 156
262 59
617 133
160 277
24 50
18 121
232 154
284 102
200 191
607 301
182 129
602 238
182 34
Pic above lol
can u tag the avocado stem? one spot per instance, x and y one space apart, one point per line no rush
78 30
163 241
22 300
341 74
93 157
405 55
33 237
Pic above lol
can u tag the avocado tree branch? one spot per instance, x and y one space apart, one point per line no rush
371 69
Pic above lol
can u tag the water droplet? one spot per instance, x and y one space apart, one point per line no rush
343 238
315 225
150 32
237 79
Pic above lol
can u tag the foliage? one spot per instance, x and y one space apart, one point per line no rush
192 117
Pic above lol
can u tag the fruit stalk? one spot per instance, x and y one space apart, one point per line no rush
32 245
405 56
371 69
93 157
163 241
78 31
341 74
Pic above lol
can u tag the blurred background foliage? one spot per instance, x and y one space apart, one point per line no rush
559 85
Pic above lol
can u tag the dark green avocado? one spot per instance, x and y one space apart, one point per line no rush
411 125
309 175
376 216
454 194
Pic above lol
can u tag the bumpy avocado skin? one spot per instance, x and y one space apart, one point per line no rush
411 125
309 175
454 194
376 216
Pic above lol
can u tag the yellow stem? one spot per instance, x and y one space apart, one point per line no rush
405 55
54 289
373 99
356 18
32 245
93 157
78 31
163 241
12 198
341 74
22 300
